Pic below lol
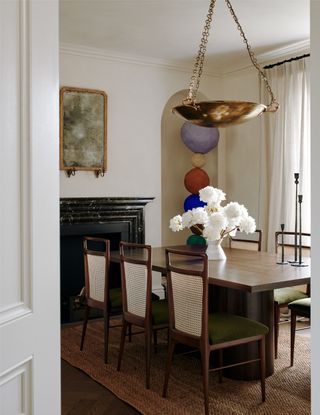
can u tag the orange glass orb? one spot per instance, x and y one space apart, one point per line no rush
195 180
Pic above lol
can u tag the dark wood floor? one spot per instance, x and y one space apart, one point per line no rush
83 396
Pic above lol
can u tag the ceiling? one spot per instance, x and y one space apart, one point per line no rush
170 30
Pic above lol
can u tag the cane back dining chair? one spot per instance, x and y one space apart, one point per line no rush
191 324
297 308
283 296
97 292
137 304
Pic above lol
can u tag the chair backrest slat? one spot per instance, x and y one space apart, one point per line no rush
136 287
187 275
136 279
187 296
96 265
242 241
97 272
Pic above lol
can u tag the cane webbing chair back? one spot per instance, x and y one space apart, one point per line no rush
96 265
136 278
136 287
187 292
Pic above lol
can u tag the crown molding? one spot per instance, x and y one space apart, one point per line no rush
103 54
270 57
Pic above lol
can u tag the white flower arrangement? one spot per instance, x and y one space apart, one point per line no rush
213 221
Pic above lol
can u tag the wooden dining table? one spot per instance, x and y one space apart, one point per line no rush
243 284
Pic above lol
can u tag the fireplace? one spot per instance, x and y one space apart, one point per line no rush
113 218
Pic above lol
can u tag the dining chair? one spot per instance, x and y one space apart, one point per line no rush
283 296
137 305
98 293
242 241
191 324
300 308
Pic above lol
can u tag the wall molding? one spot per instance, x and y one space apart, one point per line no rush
238 65
104 54
267 58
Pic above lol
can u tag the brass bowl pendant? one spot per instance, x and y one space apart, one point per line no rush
219 113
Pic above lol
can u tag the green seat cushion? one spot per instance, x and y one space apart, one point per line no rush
301 306
286 295
116 297
227 327
160 314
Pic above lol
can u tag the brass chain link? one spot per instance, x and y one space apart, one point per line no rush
273 106
198 67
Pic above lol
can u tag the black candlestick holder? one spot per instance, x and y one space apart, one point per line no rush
300 263
296 181
283 262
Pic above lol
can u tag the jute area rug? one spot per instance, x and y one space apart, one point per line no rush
287 390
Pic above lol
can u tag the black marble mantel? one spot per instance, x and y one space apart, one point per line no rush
106 210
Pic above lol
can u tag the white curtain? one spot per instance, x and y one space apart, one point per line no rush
285 150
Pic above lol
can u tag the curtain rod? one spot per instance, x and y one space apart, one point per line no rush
287 60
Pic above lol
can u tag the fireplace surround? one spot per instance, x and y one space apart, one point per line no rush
114 218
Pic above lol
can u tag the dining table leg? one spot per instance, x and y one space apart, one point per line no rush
256 306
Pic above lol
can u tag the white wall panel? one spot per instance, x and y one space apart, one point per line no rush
14 161
15 387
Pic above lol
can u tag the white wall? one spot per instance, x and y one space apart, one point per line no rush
242 144
137 95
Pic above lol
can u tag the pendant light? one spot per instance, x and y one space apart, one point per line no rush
221 113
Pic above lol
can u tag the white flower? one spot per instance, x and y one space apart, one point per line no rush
215 222
212 196
247 225
211 233
218 220
176 223
199 216
187 219
233 212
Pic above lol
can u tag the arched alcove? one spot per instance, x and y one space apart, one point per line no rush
175 163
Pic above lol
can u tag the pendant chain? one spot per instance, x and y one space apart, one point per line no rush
198 66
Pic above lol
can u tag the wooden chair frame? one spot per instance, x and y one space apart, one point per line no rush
93 303
294 314
277 307
256 241
129 318
202 342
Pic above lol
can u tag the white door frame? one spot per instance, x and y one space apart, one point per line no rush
29 208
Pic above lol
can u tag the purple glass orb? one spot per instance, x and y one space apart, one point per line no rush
199 139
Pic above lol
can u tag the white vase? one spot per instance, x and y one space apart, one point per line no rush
215 251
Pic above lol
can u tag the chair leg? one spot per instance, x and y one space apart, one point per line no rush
106 334
130 332
276 328
292 335
84 327
123 337
205 377
171 346
148 336
220 364
262 356
155 340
